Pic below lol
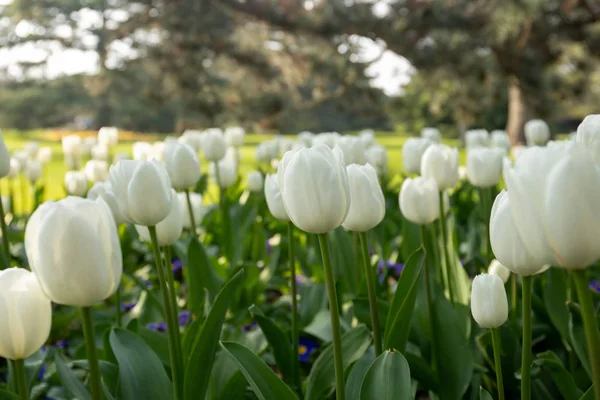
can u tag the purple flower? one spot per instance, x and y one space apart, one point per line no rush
269 247
595 286
306 346
249 327
127 306
300 279
61 344
397 269
184 318
176 266
159 327
40 375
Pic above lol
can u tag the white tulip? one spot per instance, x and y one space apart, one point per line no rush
197 208
588 134
367 136
484 166
314 187
157 151
45 155
419 200
183 166
412 152
193 138
329 139
353 149
477 138
96 170
21 158
255 181
87 144
274 200
227 172
142 151
432 134
440 163
15 168
142 190
72 146
33 170
537 132
489 304
267 151
76 183
234 135
284 144
5 160
100 152
26 315
367 204
305 138
496 268
104 190
108 136
73 248
214 145
377 156
31 149
500 140
169 229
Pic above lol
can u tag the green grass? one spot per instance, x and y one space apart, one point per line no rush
55 170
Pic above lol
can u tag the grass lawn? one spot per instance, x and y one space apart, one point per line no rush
55 170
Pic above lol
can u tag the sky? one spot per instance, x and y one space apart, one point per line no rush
389 71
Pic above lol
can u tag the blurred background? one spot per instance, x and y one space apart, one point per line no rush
164 66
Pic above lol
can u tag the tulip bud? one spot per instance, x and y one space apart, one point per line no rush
314 188
489 304
15 168
183 166
197 207
96 170
367 137
87 144
412 152
100 152
440 163
588 134
353 149
5 161
26 314
377 156
433 134
169 229
72 146
45 155
420 200
228 172
104 190
305 138
234 136
142 190
500 140
484 166
476 138
274 200
76 183
214 145
537 132
255 181
108 136
496 268
33 170
367 204
267 151
192 138
142 151
284 145
73 248
329 139
31 149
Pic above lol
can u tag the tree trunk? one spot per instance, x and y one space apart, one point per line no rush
518 112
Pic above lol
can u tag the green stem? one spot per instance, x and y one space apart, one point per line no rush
513 293
486 194
21 379
294 294
173 305
496 341
371 291
171 330
429 299
338 357
5 244
448 269
118 301
226 238
191 211
90 348
590 325
526 357
439 271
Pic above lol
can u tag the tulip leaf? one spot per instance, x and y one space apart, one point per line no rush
314 299
202 356
141 373
234 388
201 275
421 371
484 394
357 374
589 394
555 299
71 382
403 304
363 312
577 336
411 238
321 381
188 338
562 378
279 341
390 366
265 384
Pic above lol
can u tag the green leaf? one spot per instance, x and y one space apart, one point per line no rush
141 373
200 275
357 374
421 371
188 338
321 381
314 299
589 395
403 304
279 341
561 377
234 388
411 239
363 312
197 372
484 395
265 384
555 299
390 366
577 336
68 378
158 342
4 395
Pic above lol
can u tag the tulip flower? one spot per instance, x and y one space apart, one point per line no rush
377 156
477 138
142 190
108 136
537 132
353 149
305 138
192 138
412 152
274 200
198 209
142 151
87 144
169 229
104 190
31 149
96 170
255 181
44 155
225 172
500 140
183 166
440 163
433 134
588 134
419 200
100 152
484 166
76 183
72 146
234 136
33 171
213 144
267 151
496 268
329 139
15 168
367 137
